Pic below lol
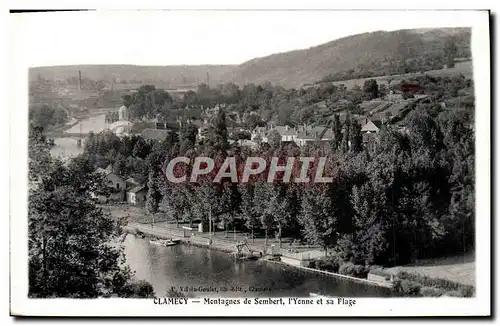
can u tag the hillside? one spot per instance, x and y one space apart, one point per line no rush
380 48
375 52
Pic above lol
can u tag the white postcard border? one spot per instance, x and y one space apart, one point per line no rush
21 305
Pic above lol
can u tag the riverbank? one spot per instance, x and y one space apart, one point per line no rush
326 273
229 246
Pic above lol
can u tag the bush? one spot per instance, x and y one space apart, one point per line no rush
407 288
351 269
453 293
428 291
137 289
465 290
330 264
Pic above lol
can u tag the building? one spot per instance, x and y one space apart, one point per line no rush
313 135
287 133
115 182
123 113
370 127
136 192
155 134
121 128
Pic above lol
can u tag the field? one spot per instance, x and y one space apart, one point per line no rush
464 68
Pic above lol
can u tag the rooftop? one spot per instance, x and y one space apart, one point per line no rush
136 189
155 134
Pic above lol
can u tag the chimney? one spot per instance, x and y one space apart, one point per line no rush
79 80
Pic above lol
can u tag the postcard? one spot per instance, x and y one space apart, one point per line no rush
250 163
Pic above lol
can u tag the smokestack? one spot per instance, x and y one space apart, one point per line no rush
208 80
79 80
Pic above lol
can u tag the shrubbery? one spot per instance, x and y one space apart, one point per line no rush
407 288
453 293
330 264
353 270
407 284
463 289
428 291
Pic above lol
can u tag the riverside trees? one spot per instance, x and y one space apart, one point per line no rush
409 197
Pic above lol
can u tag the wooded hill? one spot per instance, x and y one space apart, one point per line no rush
376 53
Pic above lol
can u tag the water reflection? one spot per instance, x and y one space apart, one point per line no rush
187 266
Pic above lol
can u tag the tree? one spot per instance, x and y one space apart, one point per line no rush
253 120
346 138
370 89
218 131
39 158
318 219
337 133
71 242
356 137
154 196
120 166
248 210
450 51
274 139
141 148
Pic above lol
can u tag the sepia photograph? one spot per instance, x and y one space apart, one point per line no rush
240 163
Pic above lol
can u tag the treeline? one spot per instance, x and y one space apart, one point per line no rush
47 117
405 62
414 65
409 198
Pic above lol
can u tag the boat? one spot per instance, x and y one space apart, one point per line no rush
161 242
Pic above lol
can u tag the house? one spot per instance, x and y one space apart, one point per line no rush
247 143
287 133
314 135
136 195
370 127
136 192
114 181
260 132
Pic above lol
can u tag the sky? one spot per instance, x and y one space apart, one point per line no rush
197 37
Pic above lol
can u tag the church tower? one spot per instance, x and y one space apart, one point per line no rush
123 113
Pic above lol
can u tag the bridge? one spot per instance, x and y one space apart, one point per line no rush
62 134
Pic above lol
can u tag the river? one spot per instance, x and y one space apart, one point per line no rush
66 147
201 268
